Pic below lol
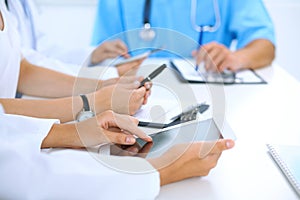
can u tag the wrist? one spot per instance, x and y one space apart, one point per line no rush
97 103
86 111
61 135
163 171
243 61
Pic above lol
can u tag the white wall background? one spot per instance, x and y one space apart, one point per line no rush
70 22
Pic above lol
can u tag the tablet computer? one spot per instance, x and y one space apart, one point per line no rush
137 57
163 140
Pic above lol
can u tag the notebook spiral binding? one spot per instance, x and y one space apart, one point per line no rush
284 168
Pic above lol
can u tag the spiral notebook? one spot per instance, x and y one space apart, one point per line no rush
288 159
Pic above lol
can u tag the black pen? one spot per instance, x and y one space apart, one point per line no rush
153 74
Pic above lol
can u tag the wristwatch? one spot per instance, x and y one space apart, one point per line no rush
86 112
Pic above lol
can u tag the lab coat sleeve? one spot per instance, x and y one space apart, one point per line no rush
75 56
16 127
50 49
250 21
27 173
39 59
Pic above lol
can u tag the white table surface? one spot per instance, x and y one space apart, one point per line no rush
258 114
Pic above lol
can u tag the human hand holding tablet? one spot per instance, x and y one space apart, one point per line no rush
164 139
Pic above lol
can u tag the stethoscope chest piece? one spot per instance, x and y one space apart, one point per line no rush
147 33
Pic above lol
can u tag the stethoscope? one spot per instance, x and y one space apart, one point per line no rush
147 33
205 28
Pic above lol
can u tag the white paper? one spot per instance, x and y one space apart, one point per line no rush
188 72
161 107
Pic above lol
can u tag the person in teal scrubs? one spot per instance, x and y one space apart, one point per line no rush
175 24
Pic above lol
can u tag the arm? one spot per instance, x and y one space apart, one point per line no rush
109 49
122 98
258 53
189 160
42 82
37 81
95 131
61 108
41 175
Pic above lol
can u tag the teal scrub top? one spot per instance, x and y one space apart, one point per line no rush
241 20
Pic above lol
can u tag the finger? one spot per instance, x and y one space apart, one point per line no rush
128 79
222 145
119 137
148 85
214 147
139 93
226 65
129 124
121 45
111 54
209 51
116 149
129 86
135 105
148 93
210 65
200 55
146 149
129 151
215 57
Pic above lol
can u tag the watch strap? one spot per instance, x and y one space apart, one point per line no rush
86 106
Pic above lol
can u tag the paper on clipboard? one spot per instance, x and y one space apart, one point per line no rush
187 70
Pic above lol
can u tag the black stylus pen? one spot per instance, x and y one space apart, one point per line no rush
153 74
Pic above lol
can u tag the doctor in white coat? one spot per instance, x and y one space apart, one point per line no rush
39 50
29 174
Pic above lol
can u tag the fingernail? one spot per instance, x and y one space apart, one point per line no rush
149 138
137 83
130 140
135 150
229 144
147 85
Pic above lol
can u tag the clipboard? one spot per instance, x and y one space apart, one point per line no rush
188 73
189 114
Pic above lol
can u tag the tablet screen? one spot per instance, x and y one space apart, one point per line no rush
162 141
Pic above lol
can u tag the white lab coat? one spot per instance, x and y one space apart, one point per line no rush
36 46
28 173
10 56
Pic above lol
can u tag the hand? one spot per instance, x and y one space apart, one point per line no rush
217 57
110 127
118 80
109 49
121 98
107 127
129 69
189 160
132 150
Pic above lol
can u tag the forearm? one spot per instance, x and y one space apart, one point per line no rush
62 136
61 109
42 82
257 54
